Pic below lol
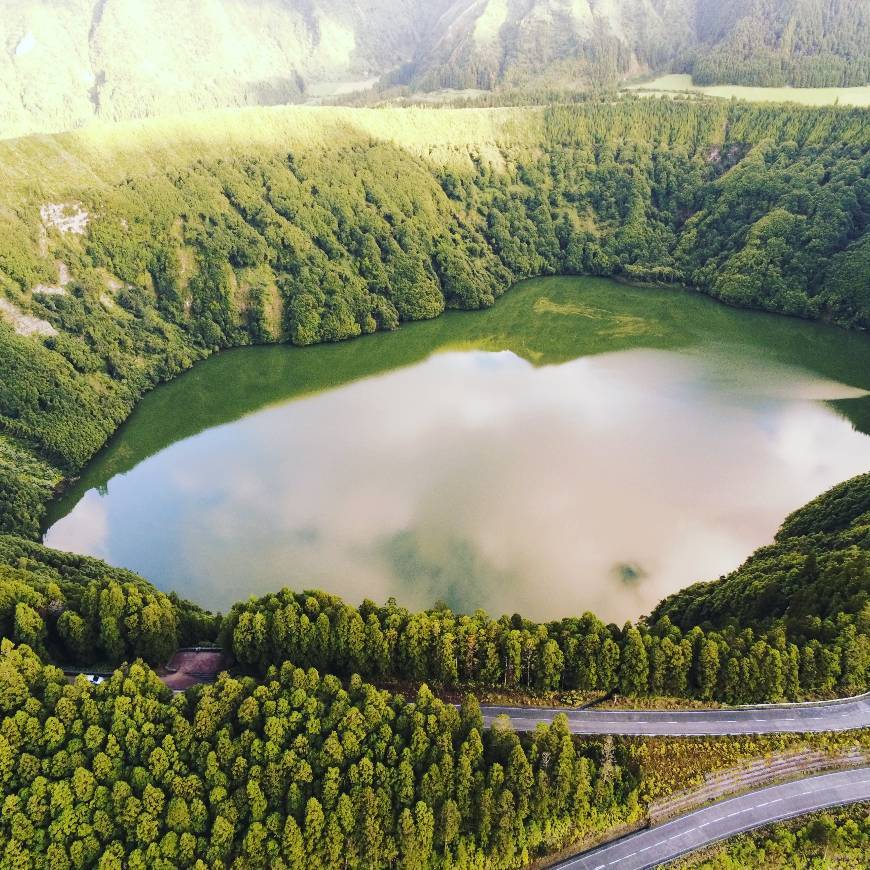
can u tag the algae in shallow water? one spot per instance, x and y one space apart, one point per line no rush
618 325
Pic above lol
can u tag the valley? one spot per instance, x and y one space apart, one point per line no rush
434 436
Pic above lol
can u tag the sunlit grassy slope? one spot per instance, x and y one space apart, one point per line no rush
70 63
61 163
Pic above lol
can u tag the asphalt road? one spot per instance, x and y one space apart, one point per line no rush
841 715
654 846
796 718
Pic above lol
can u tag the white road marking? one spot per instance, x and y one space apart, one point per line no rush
821 793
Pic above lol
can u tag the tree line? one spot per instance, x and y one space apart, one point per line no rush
732 665
792 622
79 611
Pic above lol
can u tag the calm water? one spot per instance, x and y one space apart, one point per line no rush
580 446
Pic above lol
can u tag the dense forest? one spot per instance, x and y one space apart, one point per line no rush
198 247
119 270
490 45
73 609
293 771
805 43
792 622
291 768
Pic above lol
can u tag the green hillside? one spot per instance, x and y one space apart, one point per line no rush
299 768
805 43
62 65
129 252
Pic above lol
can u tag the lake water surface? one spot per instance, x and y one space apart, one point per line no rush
580 446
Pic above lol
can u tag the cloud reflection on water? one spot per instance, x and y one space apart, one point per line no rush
481 480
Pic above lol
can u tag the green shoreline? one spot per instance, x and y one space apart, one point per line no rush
509 324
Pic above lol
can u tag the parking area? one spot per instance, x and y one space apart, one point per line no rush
187 667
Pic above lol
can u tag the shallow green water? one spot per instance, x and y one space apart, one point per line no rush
580 445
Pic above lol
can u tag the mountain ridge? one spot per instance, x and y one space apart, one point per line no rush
64 66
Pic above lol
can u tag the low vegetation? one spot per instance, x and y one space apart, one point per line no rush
683 85
677 765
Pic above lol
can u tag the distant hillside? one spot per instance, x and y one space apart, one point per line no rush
63 64
805 43
482 43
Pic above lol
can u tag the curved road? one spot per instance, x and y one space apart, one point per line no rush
841 715
654 846
721 820
192 665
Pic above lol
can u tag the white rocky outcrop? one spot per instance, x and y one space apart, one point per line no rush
24 324
65 217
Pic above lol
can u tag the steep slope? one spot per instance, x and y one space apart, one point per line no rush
483 43
806 43
817 567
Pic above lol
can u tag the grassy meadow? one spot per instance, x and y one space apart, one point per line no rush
673 84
